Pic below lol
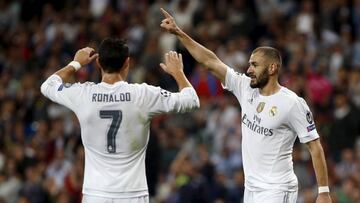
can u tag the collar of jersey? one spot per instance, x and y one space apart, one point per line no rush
276 93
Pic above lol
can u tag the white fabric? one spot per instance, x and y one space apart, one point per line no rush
270 196
270 125
115 122
94 199
323 189
75 64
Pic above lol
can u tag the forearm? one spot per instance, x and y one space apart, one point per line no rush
181 80
199 52
82 57
187 99
319 164
66 73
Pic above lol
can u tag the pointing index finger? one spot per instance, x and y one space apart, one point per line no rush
166 14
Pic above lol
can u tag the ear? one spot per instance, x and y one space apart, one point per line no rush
273 68
97 62
98 65
126 63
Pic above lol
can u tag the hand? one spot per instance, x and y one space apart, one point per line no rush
323 198
169 23
173 63
85 56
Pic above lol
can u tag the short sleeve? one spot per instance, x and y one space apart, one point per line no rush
62 93
302 122
235 82
155 100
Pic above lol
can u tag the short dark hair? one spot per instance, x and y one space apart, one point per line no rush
113 53
270 53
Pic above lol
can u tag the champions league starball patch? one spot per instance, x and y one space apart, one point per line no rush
310 120
165 93
309 117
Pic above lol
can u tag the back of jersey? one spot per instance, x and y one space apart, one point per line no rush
115 122
114 131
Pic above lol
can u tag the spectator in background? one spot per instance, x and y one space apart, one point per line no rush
345 126
318 87
354 87
32 189
10 183
346 167
58 169
205 84
236 191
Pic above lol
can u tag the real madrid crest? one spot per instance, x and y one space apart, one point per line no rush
260 107
273 111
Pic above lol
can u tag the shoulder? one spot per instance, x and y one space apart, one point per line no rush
83 87
289 95
236 79
145 87
293 100
235 73
87 83
80 85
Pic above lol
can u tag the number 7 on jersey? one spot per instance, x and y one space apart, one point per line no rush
116 116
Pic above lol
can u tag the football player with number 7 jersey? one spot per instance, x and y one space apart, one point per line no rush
115 118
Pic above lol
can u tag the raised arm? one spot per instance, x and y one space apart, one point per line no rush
54 87
199 52
82 57
173 65
161 101
319 163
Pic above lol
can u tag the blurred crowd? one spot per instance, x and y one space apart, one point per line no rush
195 157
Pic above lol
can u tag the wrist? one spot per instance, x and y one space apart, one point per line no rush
75 64
323 189
179 32
178 74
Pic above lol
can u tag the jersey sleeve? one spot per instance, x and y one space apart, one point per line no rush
155 100
235 82
302 122
64 94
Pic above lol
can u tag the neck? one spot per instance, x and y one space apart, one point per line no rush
112 78
270 88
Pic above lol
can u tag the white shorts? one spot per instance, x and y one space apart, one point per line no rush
270 196
96 199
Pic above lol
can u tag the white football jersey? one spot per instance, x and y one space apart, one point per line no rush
270 125
115 122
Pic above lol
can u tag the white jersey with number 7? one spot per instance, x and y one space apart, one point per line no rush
115 123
